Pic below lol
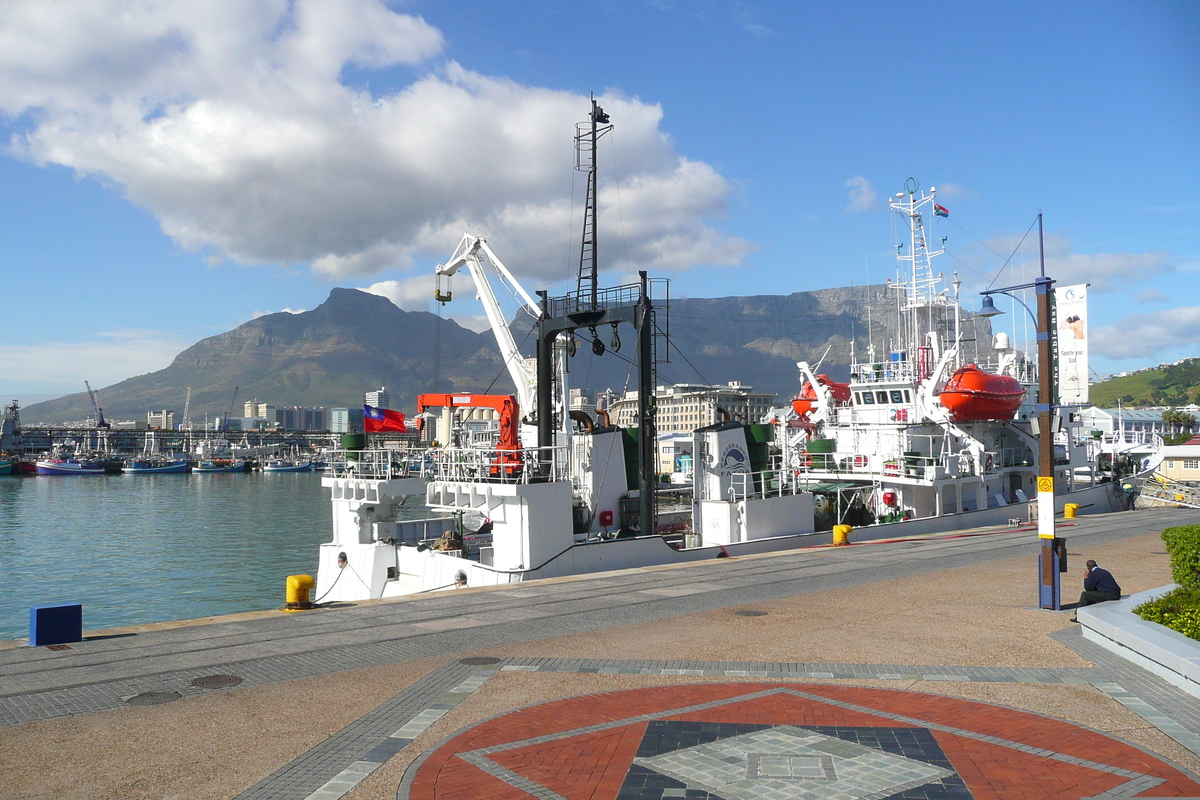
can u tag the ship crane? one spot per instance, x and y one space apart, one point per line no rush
100 421
470 253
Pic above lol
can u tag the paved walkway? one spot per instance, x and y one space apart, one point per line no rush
817 740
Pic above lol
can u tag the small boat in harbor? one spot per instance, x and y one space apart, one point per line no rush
69 466
287 465
154 466
6 466
220 465
152 461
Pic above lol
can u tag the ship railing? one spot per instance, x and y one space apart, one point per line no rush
493 465
756 485
378 464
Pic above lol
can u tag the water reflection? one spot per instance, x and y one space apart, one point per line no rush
148 548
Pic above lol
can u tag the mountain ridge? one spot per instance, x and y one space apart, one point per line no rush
356 342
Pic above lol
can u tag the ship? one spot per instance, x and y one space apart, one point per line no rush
555 493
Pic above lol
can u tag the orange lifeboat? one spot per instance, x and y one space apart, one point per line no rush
972 394
808 395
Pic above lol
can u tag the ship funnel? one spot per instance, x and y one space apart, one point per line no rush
1001 341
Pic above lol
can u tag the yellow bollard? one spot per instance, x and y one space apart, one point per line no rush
841 534
298 588
1069 510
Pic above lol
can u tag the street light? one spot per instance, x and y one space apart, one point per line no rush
1053 548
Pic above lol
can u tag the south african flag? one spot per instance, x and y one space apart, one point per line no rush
940 210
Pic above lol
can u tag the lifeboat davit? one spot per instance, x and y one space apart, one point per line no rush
808 395
972 394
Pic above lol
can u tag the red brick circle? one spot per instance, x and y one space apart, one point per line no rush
580 764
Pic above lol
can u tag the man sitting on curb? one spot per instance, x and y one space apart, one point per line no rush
1098 586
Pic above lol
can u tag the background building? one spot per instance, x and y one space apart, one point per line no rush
379 399
684 407
339 420
1181 462
299 418
160 420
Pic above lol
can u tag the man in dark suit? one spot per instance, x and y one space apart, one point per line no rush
1098 586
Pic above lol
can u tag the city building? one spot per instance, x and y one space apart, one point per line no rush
684 407
160 420
675 453
1181 462
259 410
299 418
379 399
339 420
581 401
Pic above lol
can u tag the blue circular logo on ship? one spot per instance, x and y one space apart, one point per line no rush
734 460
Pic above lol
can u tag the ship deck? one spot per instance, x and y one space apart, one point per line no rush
930 644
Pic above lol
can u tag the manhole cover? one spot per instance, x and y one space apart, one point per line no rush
478 661
216 681
152 698
750 613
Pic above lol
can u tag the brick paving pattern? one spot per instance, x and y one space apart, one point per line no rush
770 742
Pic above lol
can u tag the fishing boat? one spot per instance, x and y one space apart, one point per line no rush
211 465
69 466
6 466
287 465
153 461
155 466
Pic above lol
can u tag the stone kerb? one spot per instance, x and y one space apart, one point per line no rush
1167 653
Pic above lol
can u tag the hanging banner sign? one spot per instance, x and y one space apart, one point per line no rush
1070 306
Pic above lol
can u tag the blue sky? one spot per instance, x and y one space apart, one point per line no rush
171 170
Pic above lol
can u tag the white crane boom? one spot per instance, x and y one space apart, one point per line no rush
468 254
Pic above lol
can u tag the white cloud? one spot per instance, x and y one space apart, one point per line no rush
257 314
1104 271
862 195
1150 296
228 121
109 358
412 294
1146 335
953 191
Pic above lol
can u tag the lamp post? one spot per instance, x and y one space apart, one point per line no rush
1053 553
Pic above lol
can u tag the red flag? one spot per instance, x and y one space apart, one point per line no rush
377 420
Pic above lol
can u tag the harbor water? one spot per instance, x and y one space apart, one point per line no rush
152 548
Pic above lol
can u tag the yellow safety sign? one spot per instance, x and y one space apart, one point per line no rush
1046 485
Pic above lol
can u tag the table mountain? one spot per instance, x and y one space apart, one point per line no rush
352 343
355 342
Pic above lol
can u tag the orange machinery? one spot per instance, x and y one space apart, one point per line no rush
506 404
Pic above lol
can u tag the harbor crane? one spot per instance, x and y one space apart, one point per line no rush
225 422
100 421
186 423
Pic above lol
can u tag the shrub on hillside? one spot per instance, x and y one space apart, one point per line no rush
1183 545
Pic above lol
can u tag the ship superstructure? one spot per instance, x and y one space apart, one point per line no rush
920 430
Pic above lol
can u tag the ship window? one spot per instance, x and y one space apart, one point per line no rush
907 399
868 398
897 397
881 397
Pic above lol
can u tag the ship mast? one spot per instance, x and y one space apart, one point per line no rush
586 136
918 281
